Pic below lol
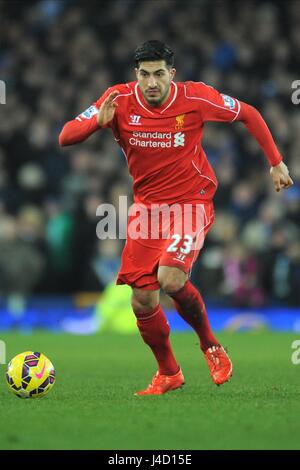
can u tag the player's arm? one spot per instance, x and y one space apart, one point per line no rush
218 107
100 114
258 128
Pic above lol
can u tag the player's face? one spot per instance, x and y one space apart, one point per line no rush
154 79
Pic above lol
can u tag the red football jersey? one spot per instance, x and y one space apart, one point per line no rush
162 144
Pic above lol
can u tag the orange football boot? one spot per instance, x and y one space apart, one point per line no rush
219 364
163 383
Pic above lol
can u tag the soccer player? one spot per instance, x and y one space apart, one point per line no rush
158 124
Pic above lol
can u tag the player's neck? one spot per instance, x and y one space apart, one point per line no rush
163 101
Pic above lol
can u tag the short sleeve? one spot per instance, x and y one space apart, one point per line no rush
214 106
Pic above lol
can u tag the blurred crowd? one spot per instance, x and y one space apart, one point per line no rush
57 57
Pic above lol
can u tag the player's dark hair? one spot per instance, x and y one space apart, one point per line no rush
154 50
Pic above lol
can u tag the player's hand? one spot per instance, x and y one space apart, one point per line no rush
107 109
281 177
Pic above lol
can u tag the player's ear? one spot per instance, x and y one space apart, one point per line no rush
172 73
136 72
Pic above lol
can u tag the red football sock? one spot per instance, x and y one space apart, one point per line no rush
155 332
190 306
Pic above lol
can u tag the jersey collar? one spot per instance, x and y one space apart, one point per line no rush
161 109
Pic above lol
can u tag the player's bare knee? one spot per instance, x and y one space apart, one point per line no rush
143 301
137 306
170 286
171 280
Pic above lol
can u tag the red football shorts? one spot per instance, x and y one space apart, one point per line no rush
163 236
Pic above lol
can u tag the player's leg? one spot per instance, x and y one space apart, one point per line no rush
174 266
155 331
191 307
188 302
187 233
154 328
138 269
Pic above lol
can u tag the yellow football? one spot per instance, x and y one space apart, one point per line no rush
30 375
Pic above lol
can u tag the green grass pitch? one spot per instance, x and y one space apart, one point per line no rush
92 405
